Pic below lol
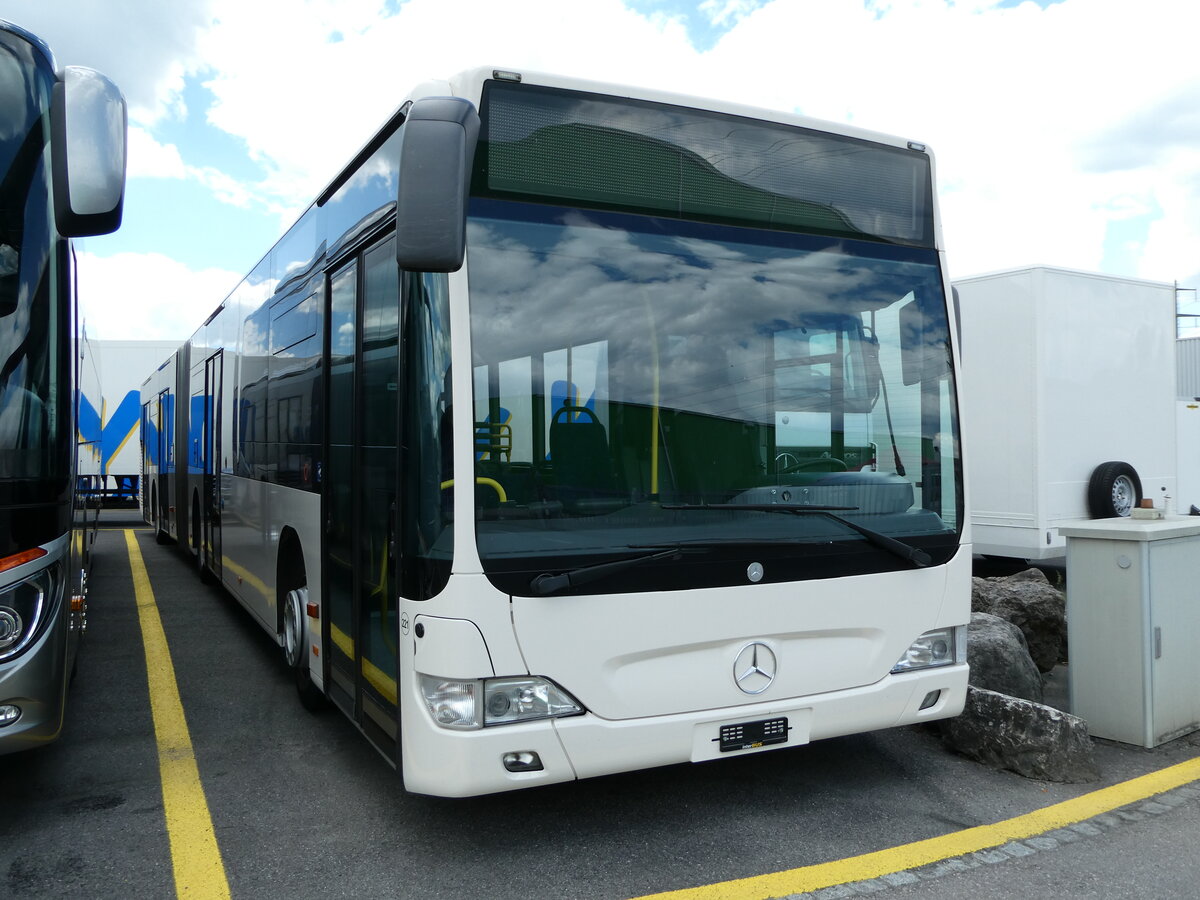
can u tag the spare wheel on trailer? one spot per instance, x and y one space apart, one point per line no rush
1113 490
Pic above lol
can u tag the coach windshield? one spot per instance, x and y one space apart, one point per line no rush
650 383
35 443
684 323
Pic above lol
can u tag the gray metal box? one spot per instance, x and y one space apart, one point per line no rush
1133 627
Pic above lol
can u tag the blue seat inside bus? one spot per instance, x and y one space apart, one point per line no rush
580 455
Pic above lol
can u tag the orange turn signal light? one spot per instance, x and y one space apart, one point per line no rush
19 559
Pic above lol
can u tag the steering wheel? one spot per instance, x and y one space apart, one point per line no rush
834 464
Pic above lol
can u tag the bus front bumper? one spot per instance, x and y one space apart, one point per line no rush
467 763
35 683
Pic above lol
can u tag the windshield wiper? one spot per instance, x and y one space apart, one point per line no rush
546 583
907 552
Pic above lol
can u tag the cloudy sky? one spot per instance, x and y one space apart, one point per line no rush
1066 132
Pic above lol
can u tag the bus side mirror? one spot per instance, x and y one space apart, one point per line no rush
88 123
437 150
920 358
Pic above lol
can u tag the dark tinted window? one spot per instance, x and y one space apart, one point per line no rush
612 152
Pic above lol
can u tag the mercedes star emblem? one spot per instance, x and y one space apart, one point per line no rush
754 668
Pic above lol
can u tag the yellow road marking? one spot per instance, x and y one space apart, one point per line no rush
959 843
195 856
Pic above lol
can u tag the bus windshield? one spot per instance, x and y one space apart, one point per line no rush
34 412
649 382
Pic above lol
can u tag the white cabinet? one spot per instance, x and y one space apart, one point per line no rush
1133 627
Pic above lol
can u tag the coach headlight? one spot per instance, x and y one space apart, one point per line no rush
480 703
942 647
24 607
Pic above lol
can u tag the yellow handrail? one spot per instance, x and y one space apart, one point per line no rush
490 482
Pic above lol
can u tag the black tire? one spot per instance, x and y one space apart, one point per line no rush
310 698
160 536
1113 490
293 586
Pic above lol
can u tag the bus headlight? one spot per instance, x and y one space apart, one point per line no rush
942 647
23 608
467 705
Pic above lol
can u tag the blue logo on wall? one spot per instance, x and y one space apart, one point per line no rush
112 435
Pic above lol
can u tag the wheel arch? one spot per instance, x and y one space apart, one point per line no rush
291 571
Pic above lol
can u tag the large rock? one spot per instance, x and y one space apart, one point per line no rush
1000 660
1019 736
1028 601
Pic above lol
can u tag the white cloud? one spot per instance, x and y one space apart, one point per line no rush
147 47
1008 97
1048 124
150 159
347 68
720 12
147 296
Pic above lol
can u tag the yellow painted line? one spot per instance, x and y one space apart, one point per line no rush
959 843
195 857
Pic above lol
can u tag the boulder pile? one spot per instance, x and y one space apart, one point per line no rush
1018 632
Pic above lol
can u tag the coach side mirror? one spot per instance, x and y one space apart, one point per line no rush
437 150
921 358
88 141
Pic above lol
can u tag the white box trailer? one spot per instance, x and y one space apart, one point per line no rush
1187 436
1069 408
1187 422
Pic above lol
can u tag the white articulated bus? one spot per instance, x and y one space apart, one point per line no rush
578 429
62 175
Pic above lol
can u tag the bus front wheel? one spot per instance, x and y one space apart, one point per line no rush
295 639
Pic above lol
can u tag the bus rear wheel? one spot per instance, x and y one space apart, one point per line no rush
160 535
205 573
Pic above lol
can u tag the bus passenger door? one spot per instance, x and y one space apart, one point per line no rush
211 485
359 491
164 436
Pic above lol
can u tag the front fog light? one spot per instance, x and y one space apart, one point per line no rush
942 647
523 761
9 714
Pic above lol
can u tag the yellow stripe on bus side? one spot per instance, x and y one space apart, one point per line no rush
384 683
195 857
245 575
958 843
